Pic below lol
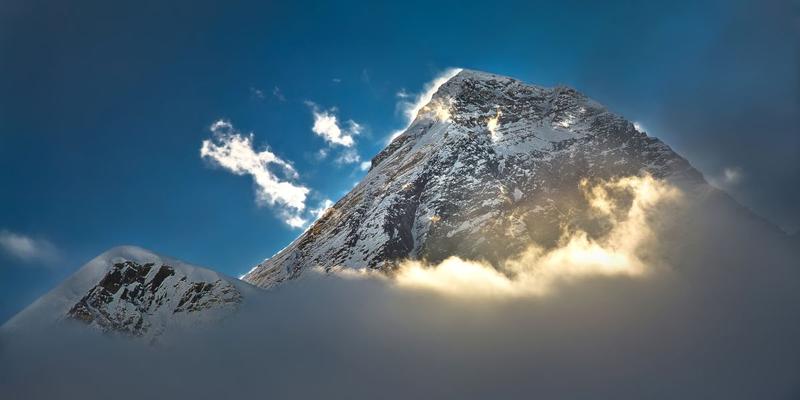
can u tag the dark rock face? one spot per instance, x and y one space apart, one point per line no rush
135 299
452 184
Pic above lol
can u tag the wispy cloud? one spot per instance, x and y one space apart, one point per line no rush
727 178
256 93
349 156
26 248
732 175
411 108
322 208
276 91
274 178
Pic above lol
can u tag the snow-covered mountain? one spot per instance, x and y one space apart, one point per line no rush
488 166
131 291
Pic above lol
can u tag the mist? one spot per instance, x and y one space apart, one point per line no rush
719 318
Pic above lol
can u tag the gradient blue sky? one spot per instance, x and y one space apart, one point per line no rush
104 106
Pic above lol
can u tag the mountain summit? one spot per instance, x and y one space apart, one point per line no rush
488 166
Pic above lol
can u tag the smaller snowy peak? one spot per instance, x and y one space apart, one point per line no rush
134 292
141 299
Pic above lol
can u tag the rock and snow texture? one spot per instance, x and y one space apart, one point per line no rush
490 165
131 291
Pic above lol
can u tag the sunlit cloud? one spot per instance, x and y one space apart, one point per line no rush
26 248
438 109
365 165
538 271
492 124
326 125
323 207
410 109
272 175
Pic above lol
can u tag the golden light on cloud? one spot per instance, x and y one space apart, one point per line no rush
439 109
492 125
538 271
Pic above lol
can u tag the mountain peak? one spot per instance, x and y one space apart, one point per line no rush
482 172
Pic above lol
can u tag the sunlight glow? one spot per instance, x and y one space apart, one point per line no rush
492 124
439 109
537 272
411 109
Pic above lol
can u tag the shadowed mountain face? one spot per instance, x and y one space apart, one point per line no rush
489 166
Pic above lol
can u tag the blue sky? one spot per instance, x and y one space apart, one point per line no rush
104 108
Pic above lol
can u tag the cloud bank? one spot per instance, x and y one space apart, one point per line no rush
693 302
274 178
627 206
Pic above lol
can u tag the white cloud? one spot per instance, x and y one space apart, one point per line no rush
233 151
257 93
321 154
349 156
276 91
638 126
26 248
326 125
732 175
323 208
354 127
295 221
411 108
365 165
